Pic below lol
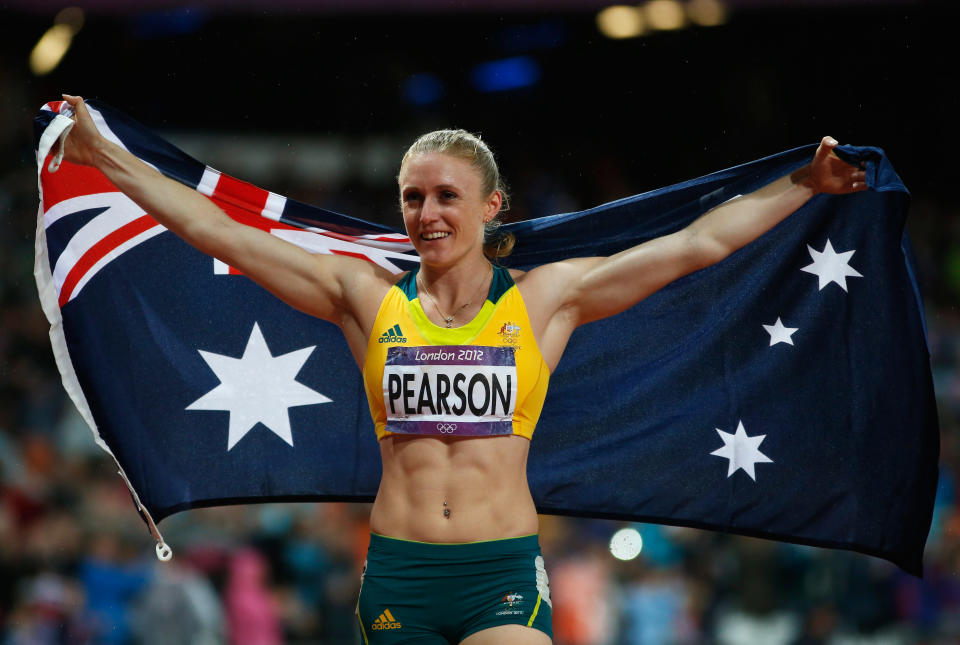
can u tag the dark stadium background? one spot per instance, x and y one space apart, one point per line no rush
265 90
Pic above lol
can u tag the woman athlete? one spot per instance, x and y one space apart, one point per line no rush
455 358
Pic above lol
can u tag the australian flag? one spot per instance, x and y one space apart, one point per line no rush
783 393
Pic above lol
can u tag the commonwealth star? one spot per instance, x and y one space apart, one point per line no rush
257 388
830 266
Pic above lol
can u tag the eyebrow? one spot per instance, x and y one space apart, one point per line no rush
438 185
407 187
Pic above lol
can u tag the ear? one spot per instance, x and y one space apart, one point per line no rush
493 205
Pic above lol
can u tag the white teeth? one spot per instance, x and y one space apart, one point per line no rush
434 236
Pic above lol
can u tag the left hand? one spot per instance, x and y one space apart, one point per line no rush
828 173
84 141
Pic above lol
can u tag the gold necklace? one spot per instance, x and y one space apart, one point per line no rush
446 318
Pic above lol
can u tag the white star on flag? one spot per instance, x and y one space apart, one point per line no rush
257 388
742 451
779 333
830 266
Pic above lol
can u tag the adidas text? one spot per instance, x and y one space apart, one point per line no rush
393 335
386 621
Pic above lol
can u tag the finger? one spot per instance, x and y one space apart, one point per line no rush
827 144
76 102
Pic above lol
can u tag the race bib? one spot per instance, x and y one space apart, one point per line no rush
452 390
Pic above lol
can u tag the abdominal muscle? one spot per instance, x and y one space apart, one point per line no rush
483 481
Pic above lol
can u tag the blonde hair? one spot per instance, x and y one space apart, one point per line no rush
468 146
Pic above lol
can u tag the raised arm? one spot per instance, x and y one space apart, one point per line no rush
577 291
325 286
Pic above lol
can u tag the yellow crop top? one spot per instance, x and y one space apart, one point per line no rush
485 378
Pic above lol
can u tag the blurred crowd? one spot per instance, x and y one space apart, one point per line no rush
77 565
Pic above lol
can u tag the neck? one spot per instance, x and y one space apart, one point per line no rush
456 284
456 293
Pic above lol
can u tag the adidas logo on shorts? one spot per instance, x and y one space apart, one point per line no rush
386 621
393 335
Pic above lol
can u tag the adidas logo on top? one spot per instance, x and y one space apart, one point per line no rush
393 335
386 621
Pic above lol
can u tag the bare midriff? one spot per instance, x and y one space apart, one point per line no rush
440 489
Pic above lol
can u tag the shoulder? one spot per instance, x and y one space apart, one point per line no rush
552 278
548 288
549 294
365 285
364 291
367 278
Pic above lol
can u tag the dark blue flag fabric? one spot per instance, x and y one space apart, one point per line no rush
783 393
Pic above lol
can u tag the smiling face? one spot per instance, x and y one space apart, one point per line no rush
445 207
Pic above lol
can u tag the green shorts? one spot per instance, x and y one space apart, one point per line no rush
419 592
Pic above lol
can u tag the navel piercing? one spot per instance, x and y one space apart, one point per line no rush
446 511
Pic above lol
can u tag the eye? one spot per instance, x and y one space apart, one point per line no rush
448 194
411 196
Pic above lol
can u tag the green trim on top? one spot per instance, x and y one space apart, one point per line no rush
434 334
408 284
499 285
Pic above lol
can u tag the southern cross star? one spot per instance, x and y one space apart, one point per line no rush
257 388
779 333
830 266
742 451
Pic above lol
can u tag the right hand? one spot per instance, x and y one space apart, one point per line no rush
831 174
84 140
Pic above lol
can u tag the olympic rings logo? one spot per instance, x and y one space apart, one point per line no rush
447 428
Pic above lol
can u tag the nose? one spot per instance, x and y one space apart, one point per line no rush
429 211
